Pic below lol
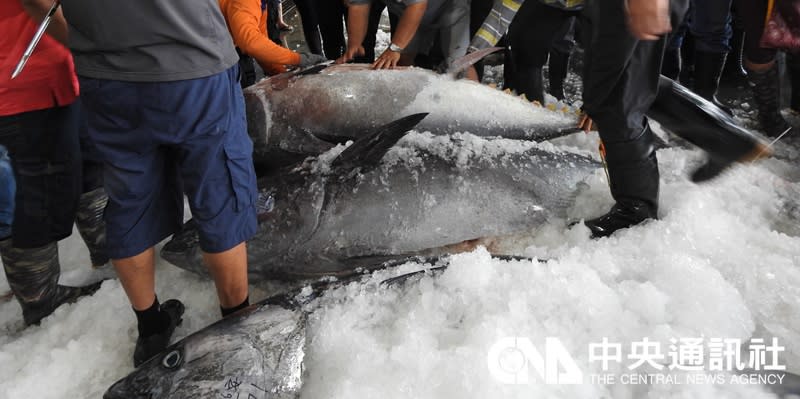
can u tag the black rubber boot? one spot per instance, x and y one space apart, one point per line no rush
633 173
91 226
151 345
529 81
698 121
734 71
707 70
767 94
558 67
671 65
33 276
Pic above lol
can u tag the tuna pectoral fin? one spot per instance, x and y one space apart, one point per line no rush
368 151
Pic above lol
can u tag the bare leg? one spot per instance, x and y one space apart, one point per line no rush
229 270
137 275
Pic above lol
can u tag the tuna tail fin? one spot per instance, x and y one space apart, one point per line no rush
368 151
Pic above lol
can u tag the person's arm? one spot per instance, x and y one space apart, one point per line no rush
648 19
38 9
496 24
357 20
406 29
244 18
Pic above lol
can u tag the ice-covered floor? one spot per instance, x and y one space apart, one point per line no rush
723 261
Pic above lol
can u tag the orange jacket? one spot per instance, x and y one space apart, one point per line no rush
247 24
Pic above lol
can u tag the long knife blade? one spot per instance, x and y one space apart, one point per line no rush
36 37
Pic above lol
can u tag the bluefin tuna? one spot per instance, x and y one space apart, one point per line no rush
306 113
332 217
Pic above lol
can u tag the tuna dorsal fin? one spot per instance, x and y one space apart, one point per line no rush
370 149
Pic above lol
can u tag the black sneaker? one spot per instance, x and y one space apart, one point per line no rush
147 347
33 313
619 217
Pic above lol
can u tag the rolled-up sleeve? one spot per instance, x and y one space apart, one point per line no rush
496 23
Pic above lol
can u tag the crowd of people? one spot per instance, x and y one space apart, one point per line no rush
114 120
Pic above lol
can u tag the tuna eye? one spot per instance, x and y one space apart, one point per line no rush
171 360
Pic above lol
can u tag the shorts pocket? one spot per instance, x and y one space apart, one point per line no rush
239 160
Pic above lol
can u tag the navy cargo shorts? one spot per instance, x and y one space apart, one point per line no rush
159 140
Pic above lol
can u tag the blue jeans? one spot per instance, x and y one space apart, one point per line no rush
8 189
709 21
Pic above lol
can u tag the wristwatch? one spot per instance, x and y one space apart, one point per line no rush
395 48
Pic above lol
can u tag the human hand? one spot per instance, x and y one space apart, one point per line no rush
387 60
350 53
648 19
308 59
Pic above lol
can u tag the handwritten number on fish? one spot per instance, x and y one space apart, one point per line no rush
233 384
232 389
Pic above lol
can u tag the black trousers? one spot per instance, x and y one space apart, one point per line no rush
330 15
620 84
310 21
247 69
45 155
621 73
753 14
533 31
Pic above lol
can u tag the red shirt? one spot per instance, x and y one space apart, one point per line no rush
48 79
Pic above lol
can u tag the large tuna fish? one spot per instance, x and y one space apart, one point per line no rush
300 114
331 217
257 354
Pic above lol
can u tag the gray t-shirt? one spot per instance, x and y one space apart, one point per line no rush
148 40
